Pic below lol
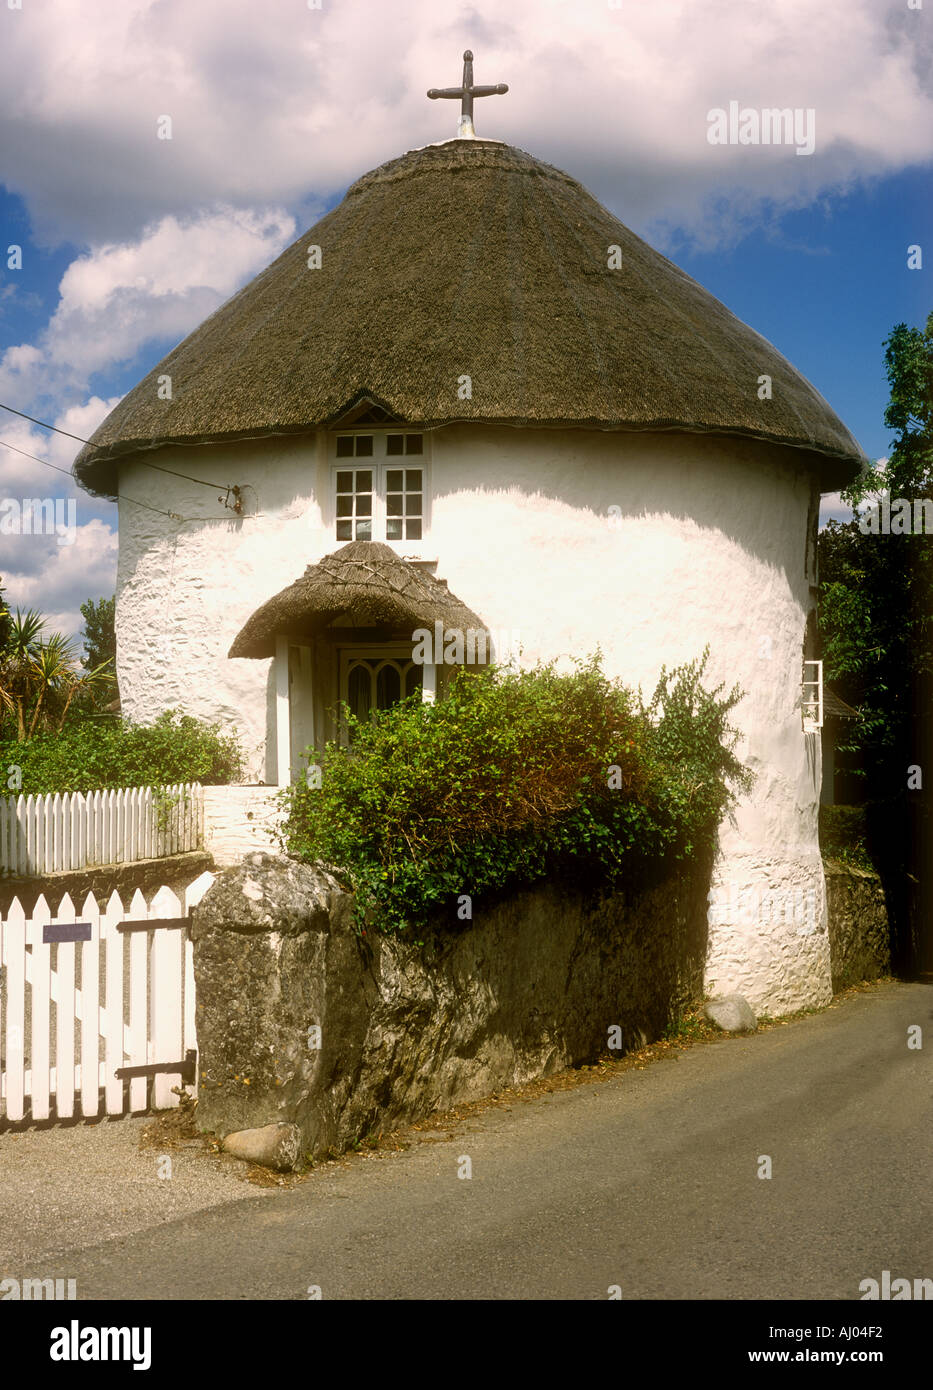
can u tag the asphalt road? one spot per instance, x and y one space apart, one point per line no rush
648 1181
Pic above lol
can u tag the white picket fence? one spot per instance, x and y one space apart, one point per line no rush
76 830
117 994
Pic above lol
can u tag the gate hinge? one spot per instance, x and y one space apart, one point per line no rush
187 1069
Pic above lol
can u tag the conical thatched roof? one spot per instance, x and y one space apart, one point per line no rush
363 585
470 257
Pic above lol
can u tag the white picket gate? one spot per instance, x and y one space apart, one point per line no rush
74 830
85 998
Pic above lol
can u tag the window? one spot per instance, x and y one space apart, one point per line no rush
354 504
403 444
403 504
369 682
350 446
812 696
382 501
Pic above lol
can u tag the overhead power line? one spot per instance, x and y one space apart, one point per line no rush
68 474
224 487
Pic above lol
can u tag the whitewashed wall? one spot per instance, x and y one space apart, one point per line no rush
239 820
707 545
184 589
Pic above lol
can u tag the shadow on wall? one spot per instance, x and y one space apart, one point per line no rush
302 1022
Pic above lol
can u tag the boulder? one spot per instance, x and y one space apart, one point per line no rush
732 1013
273 1146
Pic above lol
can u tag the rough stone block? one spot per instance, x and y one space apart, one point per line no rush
731 1013
273 1146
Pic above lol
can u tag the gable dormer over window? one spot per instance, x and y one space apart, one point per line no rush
380 487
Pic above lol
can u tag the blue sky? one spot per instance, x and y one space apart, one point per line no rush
826 285
128 242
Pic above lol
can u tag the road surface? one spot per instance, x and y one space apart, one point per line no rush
648 1181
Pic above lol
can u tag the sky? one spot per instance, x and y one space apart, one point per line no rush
128 241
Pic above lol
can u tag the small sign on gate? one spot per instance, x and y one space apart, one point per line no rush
66 931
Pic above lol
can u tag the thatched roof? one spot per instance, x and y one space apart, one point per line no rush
363 584
470 257
833 705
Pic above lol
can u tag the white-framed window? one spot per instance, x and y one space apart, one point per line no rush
381 487
811 698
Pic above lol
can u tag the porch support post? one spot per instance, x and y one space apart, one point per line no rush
283 751
429 685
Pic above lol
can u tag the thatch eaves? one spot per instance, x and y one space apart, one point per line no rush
364 584
471 258
837 707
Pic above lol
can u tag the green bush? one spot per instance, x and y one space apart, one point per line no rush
844 834
515 776
100 754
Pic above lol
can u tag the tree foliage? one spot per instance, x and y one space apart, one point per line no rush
876 591
100 638
5 619
41 681
876 618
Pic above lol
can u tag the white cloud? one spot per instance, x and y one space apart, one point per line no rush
23 475
37 571
273 101
832 507
158 287
57 579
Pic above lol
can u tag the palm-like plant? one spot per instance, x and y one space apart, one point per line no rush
53 673
40 677
89 683
17 664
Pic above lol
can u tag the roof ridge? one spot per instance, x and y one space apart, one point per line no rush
455 155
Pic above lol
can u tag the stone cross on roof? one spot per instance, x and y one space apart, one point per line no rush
466 92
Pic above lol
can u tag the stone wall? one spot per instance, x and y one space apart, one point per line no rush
176 871
859 938
533 985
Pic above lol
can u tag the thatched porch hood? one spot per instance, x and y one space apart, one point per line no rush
363 584
471 256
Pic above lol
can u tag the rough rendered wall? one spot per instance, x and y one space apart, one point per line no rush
184 589
650 546
532 986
